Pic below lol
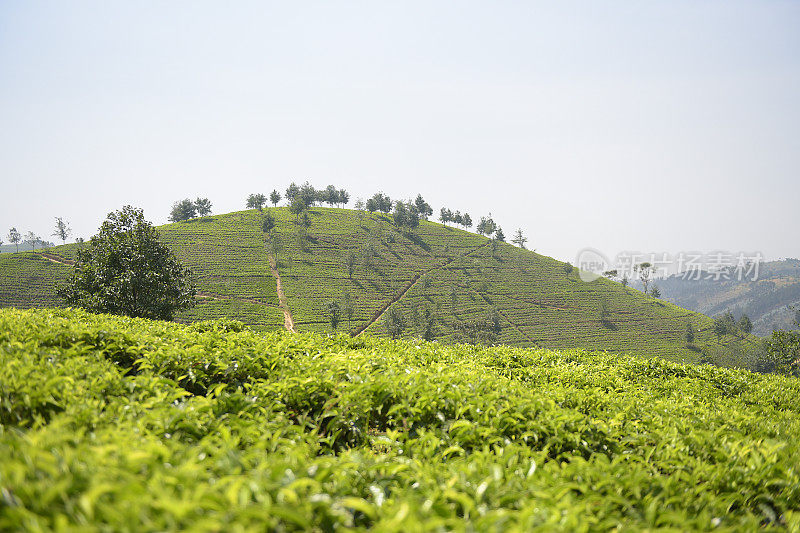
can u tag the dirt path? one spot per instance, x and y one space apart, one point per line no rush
379 313
53 258
288 323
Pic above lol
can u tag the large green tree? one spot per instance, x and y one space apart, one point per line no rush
126 270
183 210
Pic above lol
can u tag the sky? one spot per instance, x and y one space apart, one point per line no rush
648 126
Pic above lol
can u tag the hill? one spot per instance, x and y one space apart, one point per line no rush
110 423
446 282
766 300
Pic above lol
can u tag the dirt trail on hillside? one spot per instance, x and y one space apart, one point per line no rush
359 330
288 322
53 258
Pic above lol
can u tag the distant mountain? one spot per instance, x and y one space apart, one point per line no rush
766 300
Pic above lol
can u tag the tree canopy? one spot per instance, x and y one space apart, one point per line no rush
126 270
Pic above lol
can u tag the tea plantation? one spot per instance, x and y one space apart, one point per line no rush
454 275
110 423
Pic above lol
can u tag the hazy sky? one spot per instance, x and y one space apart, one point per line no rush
654 126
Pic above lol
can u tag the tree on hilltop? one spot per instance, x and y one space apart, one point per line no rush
520 239
445 215
126 270
499 235
655 292
308 194
423 208
486 226
291 192
203 206
330 195
467 221
182 210
14 237
379 202
274 197
256 201
62 230
32 239
344 198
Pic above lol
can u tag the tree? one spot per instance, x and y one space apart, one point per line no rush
32 239
291 192
423 208
719 328
655 292
344 197
400 214
690 333
394 321
467 220
486 226
499 235
182 210
784 349
360 206
379 202
256 201
445 215
424 321
645 271
330 195
274 197
457 218
350 261
203 206
334 311
519 239
348 309
268 223
126 270
297 207
309 195
14 237
745 324
62 230
611 274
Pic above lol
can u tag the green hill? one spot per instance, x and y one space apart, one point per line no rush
455 275
116 424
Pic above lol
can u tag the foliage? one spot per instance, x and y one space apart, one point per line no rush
256 201
486 226
655 292
394 321
379 202
183 210
519 238
691 333
62 230
14 237
126 270
274 197
268 223
745 325
784 350
203 206
116 424
334 311
423 208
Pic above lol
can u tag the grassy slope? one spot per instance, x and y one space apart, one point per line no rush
109 423
449 269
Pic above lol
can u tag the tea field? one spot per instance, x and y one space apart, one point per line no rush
110 423
362 258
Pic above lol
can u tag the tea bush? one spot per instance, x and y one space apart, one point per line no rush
110 423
